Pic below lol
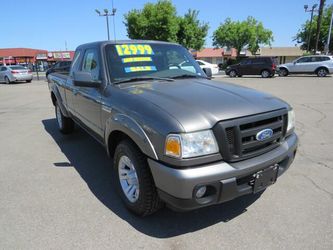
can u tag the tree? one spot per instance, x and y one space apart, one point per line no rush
160 22
240 34
155 22
320 15
302 35
192 33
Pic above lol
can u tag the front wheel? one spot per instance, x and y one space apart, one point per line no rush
283 72
134 181
232 73
65 124
322 72
28 81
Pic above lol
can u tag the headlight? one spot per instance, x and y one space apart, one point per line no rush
191 144
291 120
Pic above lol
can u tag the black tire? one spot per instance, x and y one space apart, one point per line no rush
148 200
232 73
65 124
28 81
7 81
322 72
265 73
283 72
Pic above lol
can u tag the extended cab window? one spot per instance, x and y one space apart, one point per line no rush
91 63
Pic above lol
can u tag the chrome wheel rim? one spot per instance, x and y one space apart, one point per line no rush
59 118
232 73
321 72
7 80
265 74
128 179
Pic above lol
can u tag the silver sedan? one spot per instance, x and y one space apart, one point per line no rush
15 73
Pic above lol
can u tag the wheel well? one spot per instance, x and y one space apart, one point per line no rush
114 138
54 98
284 68
321 67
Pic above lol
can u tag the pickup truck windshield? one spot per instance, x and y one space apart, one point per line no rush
150 60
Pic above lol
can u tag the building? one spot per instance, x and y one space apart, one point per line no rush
215 55
284 54
31 57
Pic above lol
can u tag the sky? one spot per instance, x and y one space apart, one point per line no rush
57 24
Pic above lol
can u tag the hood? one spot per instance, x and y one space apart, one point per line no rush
199 104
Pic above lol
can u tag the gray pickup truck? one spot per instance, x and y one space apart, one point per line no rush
175 136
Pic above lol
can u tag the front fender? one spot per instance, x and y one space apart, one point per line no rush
128 126
55 90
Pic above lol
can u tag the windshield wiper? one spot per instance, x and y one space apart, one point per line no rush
146 78
188 76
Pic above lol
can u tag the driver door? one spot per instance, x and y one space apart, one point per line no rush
87 100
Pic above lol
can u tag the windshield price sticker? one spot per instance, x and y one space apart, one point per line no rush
140 68
136 59
134 49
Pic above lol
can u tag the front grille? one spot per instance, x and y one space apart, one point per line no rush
237 138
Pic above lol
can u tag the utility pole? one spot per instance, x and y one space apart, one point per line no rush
320 16
329 35
107 14
313 9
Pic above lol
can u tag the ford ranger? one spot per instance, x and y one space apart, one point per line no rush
175 136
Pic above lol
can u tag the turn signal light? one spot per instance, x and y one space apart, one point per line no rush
172 146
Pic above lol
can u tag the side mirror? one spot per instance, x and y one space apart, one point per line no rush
85 79
294 62
208 72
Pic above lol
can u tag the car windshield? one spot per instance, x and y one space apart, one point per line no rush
16 67
150 61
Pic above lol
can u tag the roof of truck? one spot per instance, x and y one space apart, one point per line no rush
99 43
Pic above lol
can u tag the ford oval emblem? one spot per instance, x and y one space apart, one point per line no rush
264 134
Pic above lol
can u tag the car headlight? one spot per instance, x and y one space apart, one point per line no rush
291 120
191 144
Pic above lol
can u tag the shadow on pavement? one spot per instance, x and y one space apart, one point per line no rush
89 159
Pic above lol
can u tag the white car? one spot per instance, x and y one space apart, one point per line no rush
213 67
15 73
320 65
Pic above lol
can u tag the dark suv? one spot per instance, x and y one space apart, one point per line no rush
264 66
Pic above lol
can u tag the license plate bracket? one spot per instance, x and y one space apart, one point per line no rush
265 178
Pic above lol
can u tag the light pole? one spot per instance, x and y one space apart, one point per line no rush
329 35
107 14
313 9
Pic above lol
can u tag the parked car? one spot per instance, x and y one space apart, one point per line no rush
174 135
15 73
214 67
320 65
59 67
264 66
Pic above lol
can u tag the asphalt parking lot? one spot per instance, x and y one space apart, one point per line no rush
55 190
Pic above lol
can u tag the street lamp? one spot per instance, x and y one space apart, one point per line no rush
313 9
107 14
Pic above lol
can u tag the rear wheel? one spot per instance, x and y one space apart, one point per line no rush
134 180
65 124
322 72
7 81
283 72
265 73
232 73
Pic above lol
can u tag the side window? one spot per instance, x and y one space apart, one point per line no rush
200 63
304 60
3 68
91 63
325 58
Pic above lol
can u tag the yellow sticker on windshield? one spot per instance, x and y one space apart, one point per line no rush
140 68
136 59
134 49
